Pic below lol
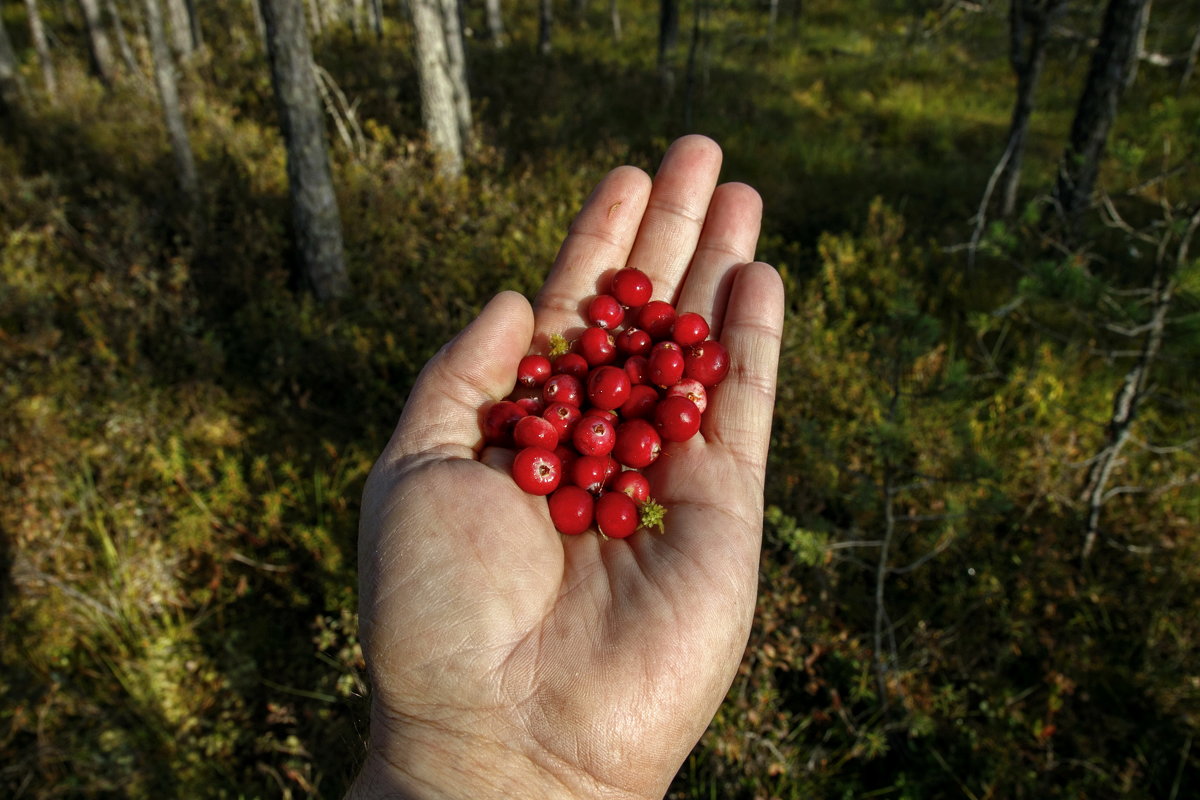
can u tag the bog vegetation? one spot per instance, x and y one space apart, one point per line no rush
981 573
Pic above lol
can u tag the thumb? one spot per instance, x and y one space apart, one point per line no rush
475 368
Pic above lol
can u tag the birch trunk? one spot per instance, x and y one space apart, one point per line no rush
168 95
99 48
457 66
495 23
37 33
438 108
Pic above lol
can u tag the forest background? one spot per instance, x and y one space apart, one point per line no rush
981 567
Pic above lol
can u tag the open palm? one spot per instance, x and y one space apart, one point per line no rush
508 660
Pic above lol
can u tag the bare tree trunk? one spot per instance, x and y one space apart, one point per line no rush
131 62
1030 22
772 18
457 65
259 25
1096 110
495 23
318 225
1139 46
545 24
37 33
168 94
314 13
668 35
11 90
179 28
1133 389
438 107
357 16
377 18
1189 65
99 48
614 13
194 18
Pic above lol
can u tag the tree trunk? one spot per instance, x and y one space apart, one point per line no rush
168 94
1139 45
357 15
438 108
1030 22
495 23
377 18
179 27
318 225
1096 110
314 12
37 33
668 35
545 24
194 19
99 48
118 26
457 66
1189 64
259 26
614 12
10 75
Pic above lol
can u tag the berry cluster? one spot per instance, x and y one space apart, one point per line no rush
590 416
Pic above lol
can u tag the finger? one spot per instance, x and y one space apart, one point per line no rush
675 213
598 243
729 238
478 366
741 407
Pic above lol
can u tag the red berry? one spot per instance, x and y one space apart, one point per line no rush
656 319
608 387
594 436
632 287
641 402
638 444
691 389
535 432
634 484
536 470
635 368
563 389
634 342
499 422
532 405
689 328
605 311
563 417
593 473
597 347
677 419
571 509
616 515
533 370
571 364
567 455
707 362
665 365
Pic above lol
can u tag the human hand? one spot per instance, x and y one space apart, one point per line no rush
507 660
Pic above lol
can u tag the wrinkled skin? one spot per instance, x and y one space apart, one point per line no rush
508 660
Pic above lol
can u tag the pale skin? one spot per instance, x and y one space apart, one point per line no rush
508 660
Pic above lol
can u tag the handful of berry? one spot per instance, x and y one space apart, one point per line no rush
590 416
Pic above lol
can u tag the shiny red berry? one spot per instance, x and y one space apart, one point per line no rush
676 418
597 347
689 328
656 319
564 417
707 362
594 436
638 444
616 515
605 311
634 484
571 509
634 342
536 470
535 432
631 287
636 368
693 390
608 387
593 473
563 389
533 370
571 364
664 367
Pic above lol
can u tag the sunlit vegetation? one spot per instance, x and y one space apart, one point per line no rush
185 431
